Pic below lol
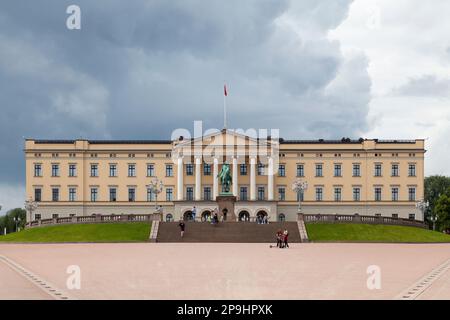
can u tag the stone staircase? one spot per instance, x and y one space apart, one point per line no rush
232 232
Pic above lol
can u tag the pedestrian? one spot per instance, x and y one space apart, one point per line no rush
194 213
182 227
286 235
279 234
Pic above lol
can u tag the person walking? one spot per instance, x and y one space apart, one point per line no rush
279 234
285 236
182 228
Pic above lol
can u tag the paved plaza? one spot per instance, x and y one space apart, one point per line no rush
223 271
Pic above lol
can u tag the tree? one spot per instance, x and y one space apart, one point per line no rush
8 220
442 211
434 187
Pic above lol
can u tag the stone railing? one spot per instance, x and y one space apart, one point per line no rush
355 218
98 218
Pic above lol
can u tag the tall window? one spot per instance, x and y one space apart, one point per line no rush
412 194
151 196
94 194
394 192
300 195
356 194
319 194
243 169
207 169
72 194
55 194
169 170
207 193
38 170
169 194
55 170
337 194
94 170
319 170
412 216
394 170
261 193
150 170
38 194
260 169
243 193
112 194
281 193
377 194
113 170
412 170
338 170
72 170
189 169
282 170
132 170
189 193
131 194
378 170
356 170
300 170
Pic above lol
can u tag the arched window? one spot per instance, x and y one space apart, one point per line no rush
169 217
281 217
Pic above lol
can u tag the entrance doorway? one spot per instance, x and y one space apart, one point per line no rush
205 215
188 216
261 217
244 216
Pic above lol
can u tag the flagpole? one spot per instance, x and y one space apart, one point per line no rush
224 111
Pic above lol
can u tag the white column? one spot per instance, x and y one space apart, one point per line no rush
215 179
270 180
198 183
235 177
252 178
180 187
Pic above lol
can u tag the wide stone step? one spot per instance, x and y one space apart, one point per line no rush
245 232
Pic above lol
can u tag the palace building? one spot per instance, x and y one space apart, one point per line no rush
86 177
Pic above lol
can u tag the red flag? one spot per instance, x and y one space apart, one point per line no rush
225 90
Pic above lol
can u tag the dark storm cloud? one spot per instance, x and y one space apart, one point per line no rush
139 69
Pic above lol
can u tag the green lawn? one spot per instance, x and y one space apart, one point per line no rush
372 233
101 232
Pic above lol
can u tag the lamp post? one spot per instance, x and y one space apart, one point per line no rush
156 186
422 206
299 187
433 219
16 220
30 206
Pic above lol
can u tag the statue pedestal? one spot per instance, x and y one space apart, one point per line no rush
225 202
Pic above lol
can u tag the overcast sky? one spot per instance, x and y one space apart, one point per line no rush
139 69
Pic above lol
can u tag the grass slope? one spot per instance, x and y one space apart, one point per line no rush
372 233
102 232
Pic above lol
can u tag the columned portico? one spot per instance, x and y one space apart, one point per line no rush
180 173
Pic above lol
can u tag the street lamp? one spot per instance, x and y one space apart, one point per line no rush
433 219
31 206
422 206
16 220
156 186
299 187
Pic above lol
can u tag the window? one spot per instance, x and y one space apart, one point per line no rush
189 193
131 194
281 193
72 170
243 193
189 169
319 194
151 196
337 194
261 193
300 170
55 194
412 170
300 195
394 194
319 170
132 170
377 194
282 170
395 215
281 217
150 170
412 194
243 169
72 194
55 216
169 170
394 170
169 217
113 170
94 194
412 216
55 170
378 170
37 216
112 194
38 170
207 193
94 170
356 170
356 194
338 170
207 169
260 169
38 194
377 214
169 194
